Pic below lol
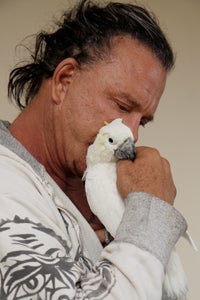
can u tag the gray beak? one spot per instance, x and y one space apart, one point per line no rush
126 150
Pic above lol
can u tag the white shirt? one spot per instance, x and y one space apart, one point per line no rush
48 250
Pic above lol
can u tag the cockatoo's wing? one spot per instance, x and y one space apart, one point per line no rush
102 195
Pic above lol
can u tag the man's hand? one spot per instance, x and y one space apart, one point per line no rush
148 173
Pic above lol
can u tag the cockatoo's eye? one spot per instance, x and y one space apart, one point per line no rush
112 140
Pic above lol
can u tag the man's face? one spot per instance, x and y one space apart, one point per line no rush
128 85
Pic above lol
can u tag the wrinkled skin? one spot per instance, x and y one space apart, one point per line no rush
157 170
66 114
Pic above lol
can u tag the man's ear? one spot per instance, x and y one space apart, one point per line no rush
62 77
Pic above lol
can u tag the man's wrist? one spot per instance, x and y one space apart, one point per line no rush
151 224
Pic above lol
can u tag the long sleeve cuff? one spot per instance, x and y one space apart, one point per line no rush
151 224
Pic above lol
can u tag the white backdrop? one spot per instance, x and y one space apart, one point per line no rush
175 131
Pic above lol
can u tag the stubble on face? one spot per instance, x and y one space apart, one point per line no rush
97 90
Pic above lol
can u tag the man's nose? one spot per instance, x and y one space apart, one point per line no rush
133 124
135 134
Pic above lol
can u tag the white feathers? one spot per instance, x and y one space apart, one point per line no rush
109 212
175 283
108 140
100 176
115 141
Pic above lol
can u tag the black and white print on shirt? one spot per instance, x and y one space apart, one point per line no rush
31 270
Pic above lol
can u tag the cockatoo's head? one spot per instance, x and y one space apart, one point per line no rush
114 141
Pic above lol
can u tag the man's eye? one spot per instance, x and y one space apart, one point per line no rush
123 108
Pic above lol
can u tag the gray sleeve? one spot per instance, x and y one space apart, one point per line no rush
151 224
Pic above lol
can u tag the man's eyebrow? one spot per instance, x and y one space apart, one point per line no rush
131 100
136 104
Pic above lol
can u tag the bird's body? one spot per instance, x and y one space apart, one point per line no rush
101 173
115 141
105 178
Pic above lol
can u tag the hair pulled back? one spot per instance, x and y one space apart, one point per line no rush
84 33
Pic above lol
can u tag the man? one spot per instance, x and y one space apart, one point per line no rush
100 64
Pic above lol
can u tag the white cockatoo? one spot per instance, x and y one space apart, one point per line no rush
115 141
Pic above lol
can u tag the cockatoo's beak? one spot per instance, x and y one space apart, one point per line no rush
126 150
